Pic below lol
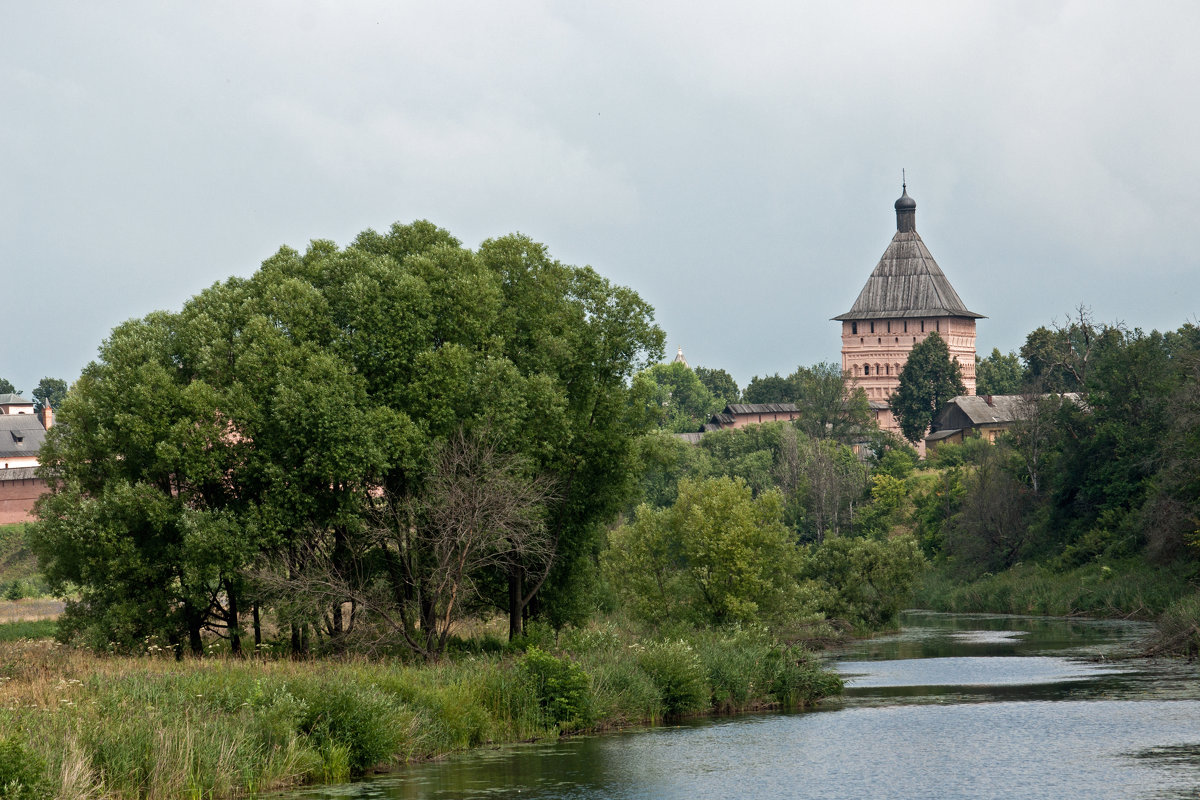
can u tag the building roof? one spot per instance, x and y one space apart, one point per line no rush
20 435
679 359
907 282
996 409
14 400
18 474
761 408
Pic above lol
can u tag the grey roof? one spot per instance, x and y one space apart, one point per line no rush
760 408
20 435
690 438
18 474
939 435
14 400
996 409
907 282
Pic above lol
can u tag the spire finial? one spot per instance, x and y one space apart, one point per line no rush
903 181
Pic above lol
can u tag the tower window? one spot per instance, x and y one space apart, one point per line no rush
866 369
889 324
922 326
872 327
906 326
853 327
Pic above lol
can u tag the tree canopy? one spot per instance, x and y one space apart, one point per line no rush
285 418
679 401
720 383
929 378
49 392
998 374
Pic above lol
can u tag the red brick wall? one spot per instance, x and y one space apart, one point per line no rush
17 499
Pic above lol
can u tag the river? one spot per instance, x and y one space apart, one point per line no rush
952 706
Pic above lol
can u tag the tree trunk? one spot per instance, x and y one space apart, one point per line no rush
232 620
194 641
257 628
516 608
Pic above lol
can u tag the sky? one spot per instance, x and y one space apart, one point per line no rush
736 164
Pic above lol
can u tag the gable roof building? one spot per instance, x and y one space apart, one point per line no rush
984 415
739 415
21 437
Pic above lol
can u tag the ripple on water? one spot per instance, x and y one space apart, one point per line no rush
972 671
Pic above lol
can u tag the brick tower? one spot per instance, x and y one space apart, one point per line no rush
906 298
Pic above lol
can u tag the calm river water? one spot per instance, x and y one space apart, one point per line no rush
954 706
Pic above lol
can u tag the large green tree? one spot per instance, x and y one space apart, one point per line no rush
720 383
6 387
49 392
929 378
679 400
829 407
718 555
281 419
769 389
998 373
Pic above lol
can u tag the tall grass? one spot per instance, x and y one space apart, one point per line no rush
107 727
1126 589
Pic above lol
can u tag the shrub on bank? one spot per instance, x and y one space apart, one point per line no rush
1179 628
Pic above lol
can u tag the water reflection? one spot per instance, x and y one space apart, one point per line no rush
951 707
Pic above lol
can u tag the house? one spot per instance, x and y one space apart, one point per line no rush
906 298
985 416
15 404
21 436
739 415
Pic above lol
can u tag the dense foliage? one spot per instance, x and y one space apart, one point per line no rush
1098 477
929 379
278 444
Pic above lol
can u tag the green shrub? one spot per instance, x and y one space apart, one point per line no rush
678 674
22 774
278 716
364 720
1179 628
794 679
563 689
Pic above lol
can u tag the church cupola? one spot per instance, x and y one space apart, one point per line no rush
906 212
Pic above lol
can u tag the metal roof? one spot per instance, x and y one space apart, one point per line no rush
14 400
20 435
18 474
760 408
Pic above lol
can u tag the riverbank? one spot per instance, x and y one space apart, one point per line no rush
77 725
1130 589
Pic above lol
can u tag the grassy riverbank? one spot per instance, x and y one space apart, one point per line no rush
1129 588
77 725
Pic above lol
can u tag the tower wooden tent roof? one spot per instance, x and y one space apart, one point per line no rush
907 282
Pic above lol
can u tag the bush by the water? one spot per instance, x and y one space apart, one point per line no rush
1179 628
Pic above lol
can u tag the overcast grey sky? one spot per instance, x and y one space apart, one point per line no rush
734 163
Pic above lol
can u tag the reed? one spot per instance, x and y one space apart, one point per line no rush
1129 588
87 725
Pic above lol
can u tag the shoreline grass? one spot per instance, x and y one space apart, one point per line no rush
95 726
1131 589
